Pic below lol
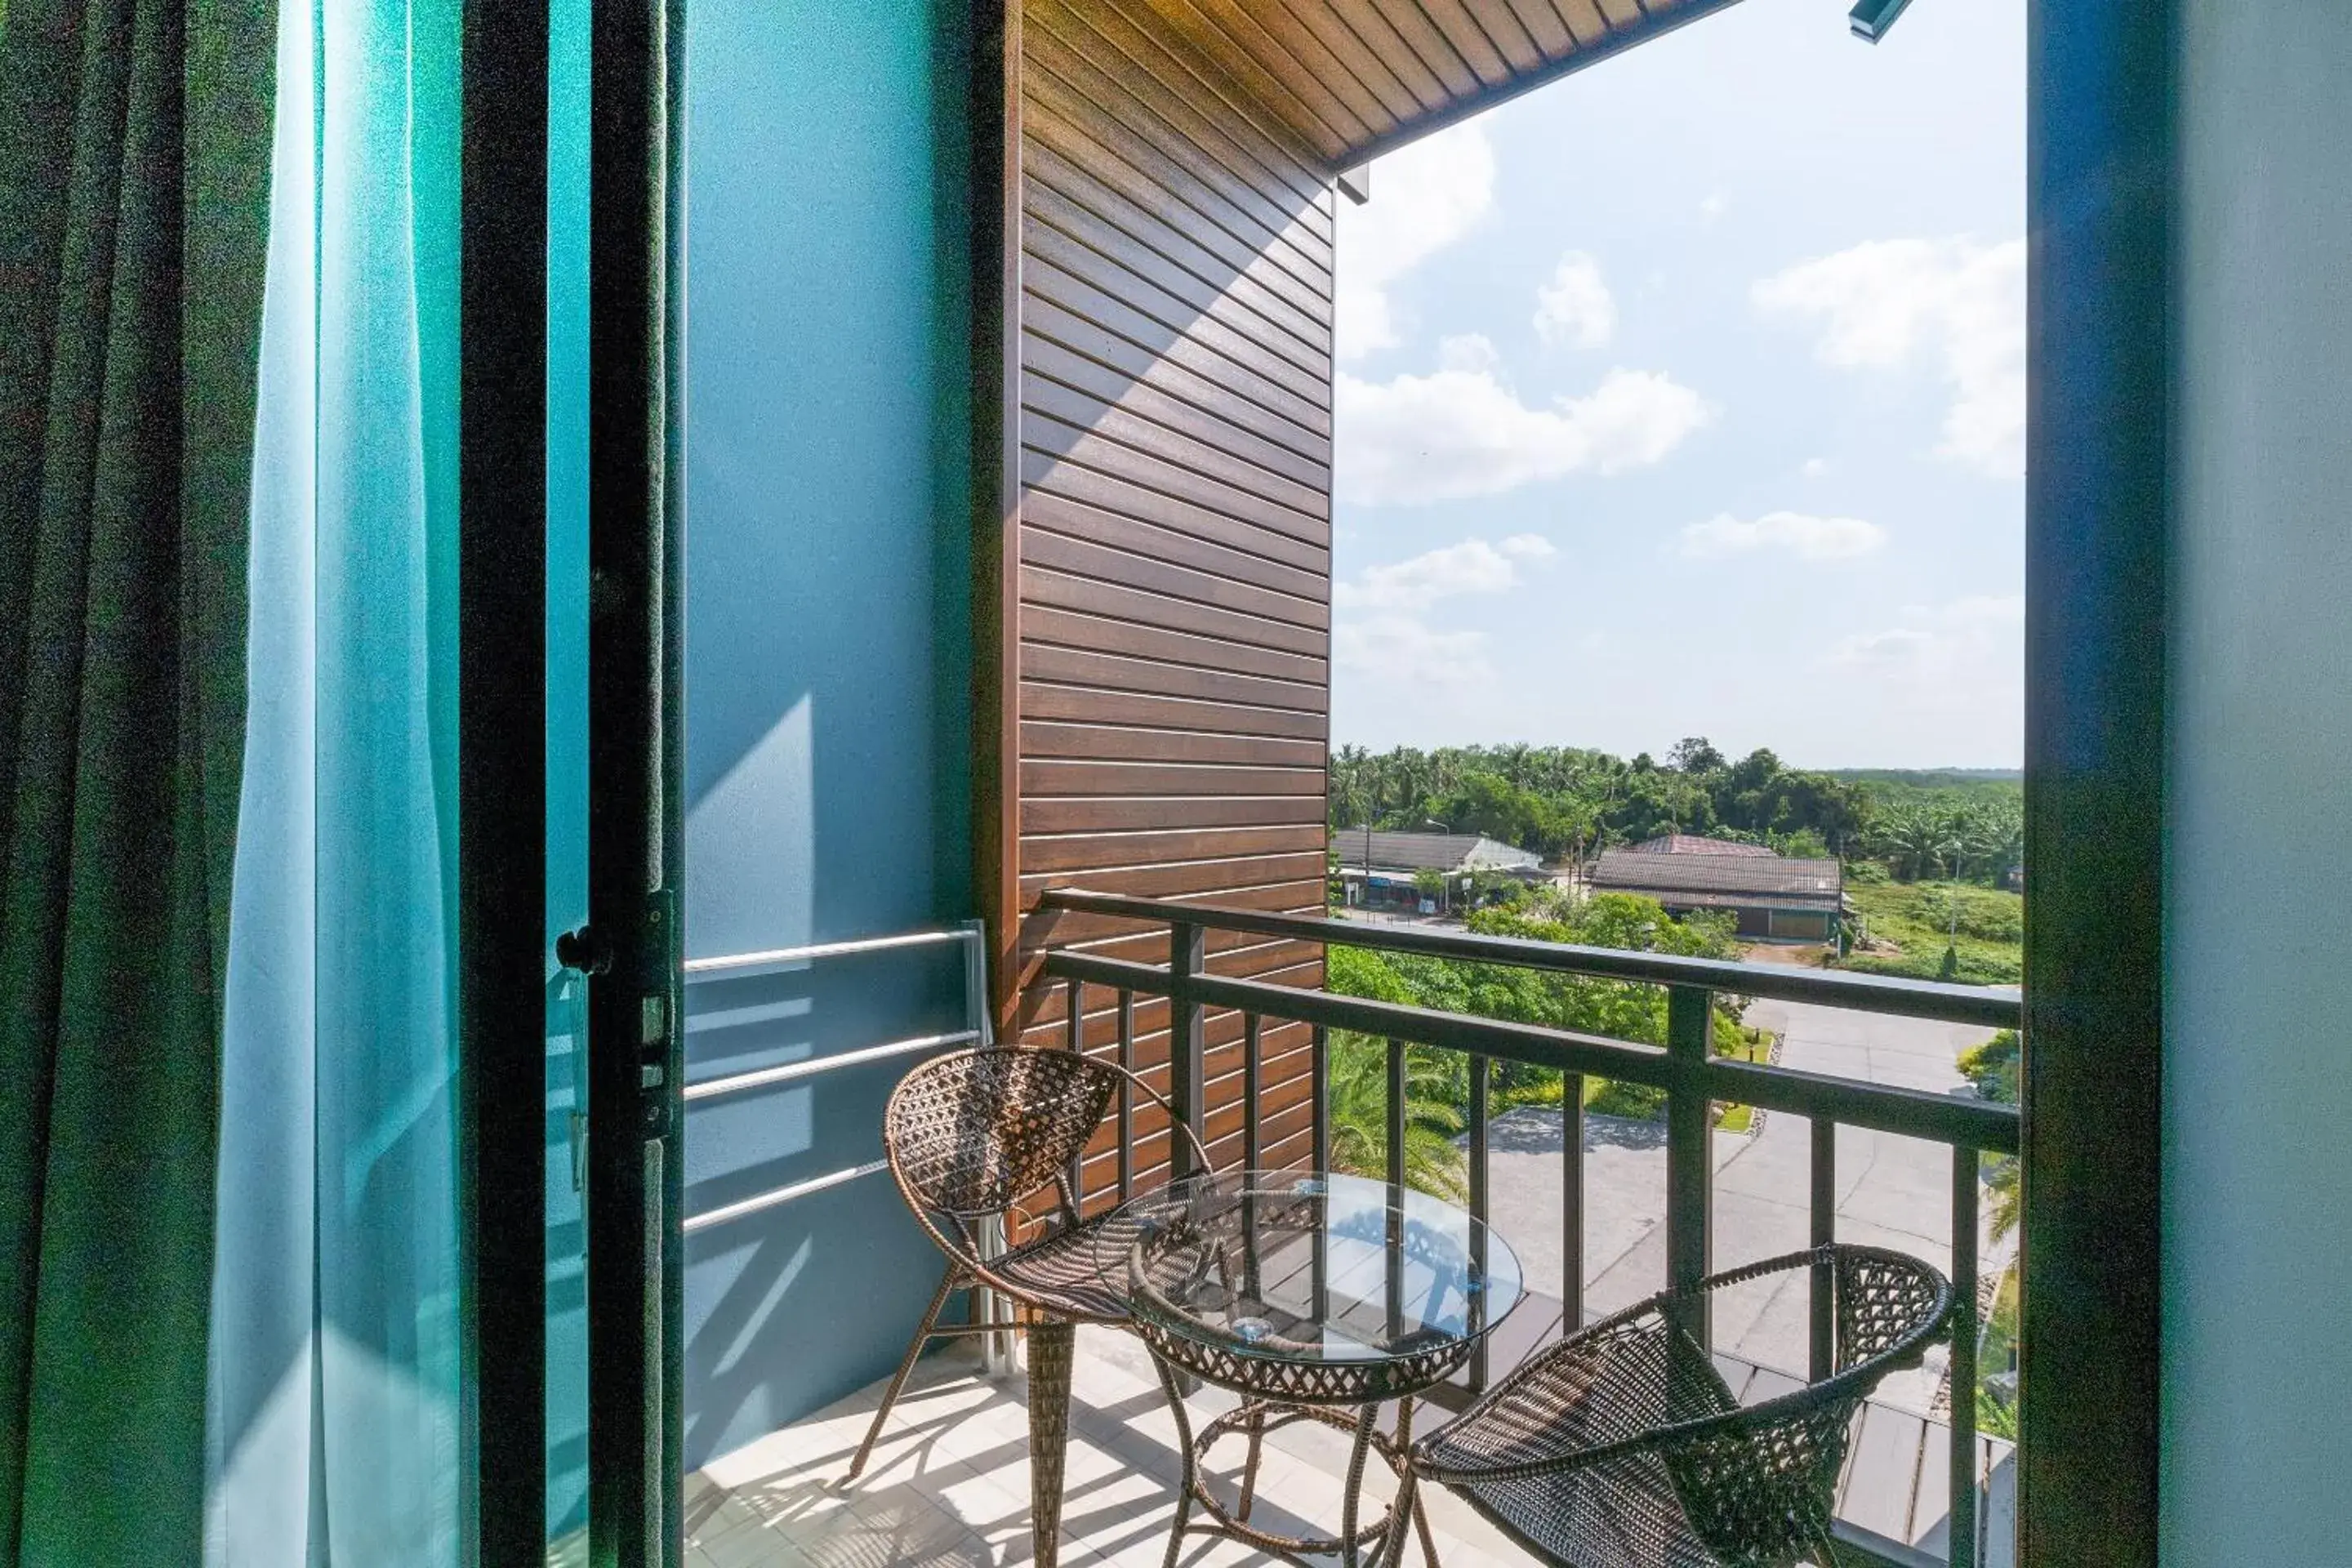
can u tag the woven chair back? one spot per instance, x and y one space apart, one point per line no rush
973 1132
1759 1490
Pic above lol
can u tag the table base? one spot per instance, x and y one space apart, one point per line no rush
1374 1544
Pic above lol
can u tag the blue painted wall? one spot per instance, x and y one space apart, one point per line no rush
2258 963
827 659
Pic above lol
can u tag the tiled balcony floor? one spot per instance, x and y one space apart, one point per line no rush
949 1483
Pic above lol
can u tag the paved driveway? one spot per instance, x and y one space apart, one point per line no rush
1892 1192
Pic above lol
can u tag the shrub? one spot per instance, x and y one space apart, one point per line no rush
1634 1101
1992 1067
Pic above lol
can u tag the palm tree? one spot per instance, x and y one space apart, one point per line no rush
2000 1181
1918 839
1357 1117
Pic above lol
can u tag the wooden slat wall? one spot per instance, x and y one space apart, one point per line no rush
1174 534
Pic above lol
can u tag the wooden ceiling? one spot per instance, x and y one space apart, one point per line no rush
1354 78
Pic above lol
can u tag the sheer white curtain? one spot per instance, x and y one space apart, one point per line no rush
335 1421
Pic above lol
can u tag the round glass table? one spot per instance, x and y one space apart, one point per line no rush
1314 1297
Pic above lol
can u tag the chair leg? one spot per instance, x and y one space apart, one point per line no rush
1051 1342
1408 1500
1168 1384
1351 1497
1249 1467
948 1283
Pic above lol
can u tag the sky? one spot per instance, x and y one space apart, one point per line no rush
1686 396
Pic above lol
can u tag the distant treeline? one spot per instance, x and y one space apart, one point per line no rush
1566 802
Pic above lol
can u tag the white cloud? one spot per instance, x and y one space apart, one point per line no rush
1815 468
1473 353
1575 308
1974 636
1461 431
1800 534
1393 649
1380 628
1472 566
1425 196
1959 304
1711 206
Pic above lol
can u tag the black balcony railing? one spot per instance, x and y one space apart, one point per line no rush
1691 1076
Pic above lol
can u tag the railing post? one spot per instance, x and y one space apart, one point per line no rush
1481 1198
1074 1028
1396 1109
1252 1153
1689 1160
1824 1301
1394 1292
1318 1064
1187 956
1962 1552
1571 1201
1126 1096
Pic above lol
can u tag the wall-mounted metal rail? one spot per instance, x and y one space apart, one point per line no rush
977 1030
1684 1067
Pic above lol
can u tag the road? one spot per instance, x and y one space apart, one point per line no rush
1892 1192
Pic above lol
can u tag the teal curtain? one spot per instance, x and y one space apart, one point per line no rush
134 139
336 1394
231 1327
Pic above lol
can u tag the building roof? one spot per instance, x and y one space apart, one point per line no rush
1720 881
1431 852
1691 844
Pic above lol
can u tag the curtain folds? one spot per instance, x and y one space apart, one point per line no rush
231 1328
336 1365
133 173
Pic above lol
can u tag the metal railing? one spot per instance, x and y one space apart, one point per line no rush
1686 1069
977 1030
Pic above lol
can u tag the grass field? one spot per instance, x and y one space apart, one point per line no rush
1915 917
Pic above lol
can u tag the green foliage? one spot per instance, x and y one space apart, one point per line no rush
1562 801
1992 1067
1996 1359
1918 918
1620 1009
1358 1125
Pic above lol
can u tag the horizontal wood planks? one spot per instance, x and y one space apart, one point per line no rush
1174 569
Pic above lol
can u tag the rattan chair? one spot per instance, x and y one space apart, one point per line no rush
974 1136
1621 1447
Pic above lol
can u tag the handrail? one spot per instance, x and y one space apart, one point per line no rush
765 1077
980 1030
1686 1069
700 968
1882 1108
1929 999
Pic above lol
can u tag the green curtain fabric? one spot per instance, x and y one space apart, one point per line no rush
135 164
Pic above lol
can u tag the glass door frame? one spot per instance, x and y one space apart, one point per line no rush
631 949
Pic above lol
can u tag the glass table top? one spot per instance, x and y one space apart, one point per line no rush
1294 1266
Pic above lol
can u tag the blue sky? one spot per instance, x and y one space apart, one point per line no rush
1686 396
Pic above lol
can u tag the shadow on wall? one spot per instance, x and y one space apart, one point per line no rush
827 660
790 1308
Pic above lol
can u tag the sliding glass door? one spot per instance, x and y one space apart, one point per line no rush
570 795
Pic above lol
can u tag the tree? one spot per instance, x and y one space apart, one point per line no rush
1359 1123
1695 754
